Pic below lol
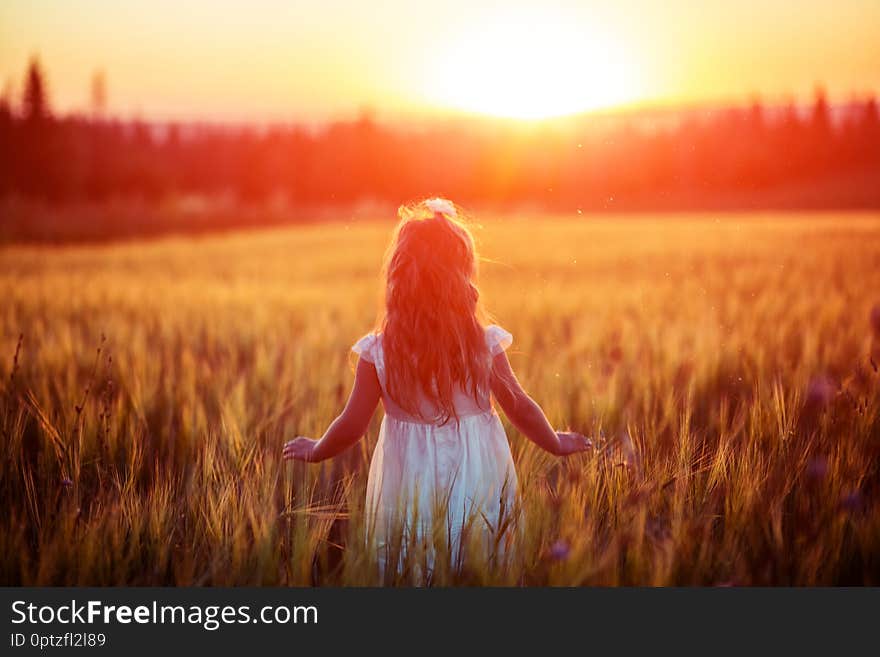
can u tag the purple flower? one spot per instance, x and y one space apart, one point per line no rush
817 468
875 319
819 392
851 501
67 482
559 550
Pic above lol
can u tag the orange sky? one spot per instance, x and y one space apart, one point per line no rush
275 60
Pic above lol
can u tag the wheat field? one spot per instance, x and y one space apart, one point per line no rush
725 364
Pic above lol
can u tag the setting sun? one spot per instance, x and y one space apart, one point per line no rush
531 66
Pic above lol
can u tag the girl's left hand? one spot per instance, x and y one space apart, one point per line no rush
571 442
300 449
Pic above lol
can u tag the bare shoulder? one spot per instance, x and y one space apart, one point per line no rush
366 382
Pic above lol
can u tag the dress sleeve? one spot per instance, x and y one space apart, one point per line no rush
365 347
497 339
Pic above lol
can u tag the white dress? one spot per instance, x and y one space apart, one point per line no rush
439 492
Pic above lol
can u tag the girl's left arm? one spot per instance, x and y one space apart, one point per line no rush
346 429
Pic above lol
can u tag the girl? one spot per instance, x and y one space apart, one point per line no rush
442 481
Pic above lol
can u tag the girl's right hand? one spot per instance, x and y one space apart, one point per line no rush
571 442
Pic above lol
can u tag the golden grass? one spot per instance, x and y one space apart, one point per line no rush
727 361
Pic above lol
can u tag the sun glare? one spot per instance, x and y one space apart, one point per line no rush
531 66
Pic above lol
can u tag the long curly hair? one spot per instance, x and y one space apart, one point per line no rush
432 325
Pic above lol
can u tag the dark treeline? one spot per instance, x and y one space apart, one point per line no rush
816 156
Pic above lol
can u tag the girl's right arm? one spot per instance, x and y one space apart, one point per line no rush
527 416
349 427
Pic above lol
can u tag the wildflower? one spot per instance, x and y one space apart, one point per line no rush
851 501
560 550
875 319
817 468
819 392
